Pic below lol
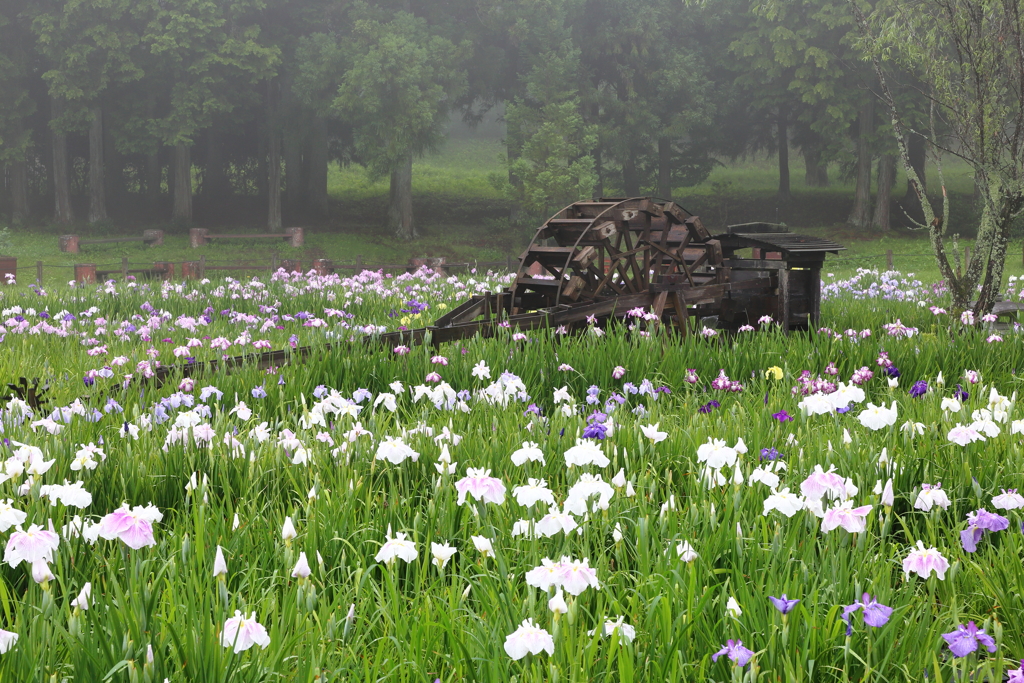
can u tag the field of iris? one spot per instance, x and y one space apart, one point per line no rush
613 506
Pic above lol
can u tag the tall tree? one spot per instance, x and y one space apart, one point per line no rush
16 106
968 54
646 86
203 55
398 91
319 69
794 58
90 47
553 166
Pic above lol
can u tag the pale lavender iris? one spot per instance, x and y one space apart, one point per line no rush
734 650
964 640
783 604
875 613
977 524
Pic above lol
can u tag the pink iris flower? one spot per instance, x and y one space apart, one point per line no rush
32 546
133 526
482 486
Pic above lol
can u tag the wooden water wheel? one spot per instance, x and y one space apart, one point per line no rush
596 250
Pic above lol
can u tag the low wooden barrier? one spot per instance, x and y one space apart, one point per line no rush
198 237
71 244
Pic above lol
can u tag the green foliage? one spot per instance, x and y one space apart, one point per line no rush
411 621
551 168
399 87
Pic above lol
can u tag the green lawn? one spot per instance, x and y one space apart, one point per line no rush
462 217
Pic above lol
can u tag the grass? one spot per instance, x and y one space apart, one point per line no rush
461 217
414 621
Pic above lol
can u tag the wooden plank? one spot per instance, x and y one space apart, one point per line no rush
782 312
694 224
682 313
753 264
711 291
648 207
814 296
247 237
477 305
110 241
674 212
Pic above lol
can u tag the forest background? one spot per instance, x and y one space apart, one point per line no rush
452 121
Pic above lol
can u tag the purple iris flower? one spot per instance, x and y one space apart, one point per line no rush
782 416
875 613
88 381
964 640
783 604
259 392
532 409
892 371
594 430
960 394
320 391
977 524
770 454
734 650
844 409
597 416
708 407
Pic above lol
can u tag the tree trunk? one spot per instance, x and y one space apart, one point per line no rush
62 213
182 183
400 204
316 191
261 163
215 182
599 169
916 150
154 172
630 178
513 150
782 129
113 171
19 192
859 217
665 168
883 198
815 172
292 153
274 180
97 187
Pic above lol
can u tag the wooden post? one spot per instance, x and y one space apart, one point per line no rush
197 237
967 258
508 263
888 258
39 273
68 244
124 267
85 273
273 263
202 266
359 263
295 238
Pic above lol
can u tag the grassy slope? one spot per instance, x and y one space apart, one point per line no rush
460 216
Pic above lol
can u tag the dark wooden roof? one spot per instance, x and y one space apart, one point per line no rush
774 237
